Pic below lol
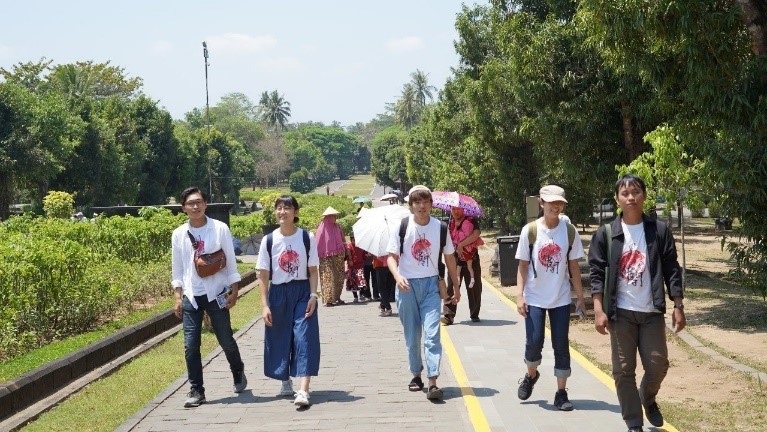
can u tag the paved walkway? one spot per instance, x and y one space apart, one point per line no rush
363 378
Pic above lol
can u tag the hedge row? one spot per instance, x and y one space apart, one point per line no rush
62 277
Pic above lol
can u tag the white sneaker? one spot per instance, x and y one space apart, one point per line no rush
302 398
287 388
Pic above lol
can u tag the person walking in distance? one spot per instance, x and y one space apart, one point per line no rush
548 252
627 285
466 237
196 295
332 252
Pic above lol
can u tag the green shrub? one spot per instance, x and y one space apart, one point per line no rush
244 226
61 278
58 205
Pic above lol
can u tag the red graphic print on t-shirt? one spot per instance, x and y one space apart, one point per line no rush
200 247
631 266
550 255
421 250
288 261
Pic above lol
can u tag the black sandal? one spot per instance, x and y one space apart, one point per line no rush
416 384
434 393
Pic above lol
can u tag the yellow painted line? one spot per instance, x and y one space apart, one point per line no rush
607 380
476 415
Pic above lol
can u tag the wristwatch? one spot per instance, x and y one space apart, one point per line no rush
679 306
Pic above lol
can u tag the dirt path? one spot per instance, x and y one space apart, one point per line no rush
700 394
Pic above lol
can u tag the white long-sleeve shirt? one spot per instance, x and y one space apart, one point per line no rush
214 235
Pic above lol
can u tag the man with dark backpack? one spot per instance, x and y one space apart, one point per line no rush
414 262
635 278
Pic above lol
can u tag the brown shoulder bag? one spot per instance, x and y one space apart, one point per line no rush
207 264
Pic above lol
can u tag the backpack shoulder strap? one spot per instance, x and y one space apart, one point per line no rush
306 246
269 242
532 231
442 244
532 235
442 236
571 231
606 296
402 230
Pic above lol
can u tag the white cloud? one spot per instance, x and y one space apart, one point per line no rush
405 44
162 47
237 43
281 64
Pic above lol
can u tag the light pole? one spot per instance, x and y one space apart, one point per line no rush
207 105
207 116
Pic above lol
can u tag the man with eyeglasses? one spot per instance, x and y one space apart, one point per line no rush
196 295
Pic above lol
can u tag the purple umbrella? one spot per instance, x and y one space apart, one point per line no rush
447 200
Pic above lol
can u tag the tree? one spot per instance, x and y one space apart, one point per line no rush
94 81
154 127
37 136
423 91
388 156
407 111
273 164
338 148
275 110
667 170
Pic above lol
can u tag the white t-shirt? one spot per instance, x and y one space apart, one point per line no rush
288 256
634 290
421 253
552 286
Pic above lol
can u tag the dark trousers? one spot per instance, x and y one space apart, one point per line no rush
473 294
222 327
646 333
370 281
386 286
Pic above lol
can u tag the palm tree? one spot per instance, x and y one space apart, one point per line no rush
407 110
275 110
420 82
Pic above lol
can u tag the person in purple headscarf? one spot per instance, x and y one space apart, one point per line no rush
331 248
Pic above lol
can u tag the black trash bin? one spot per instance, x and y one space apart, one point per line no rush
507 263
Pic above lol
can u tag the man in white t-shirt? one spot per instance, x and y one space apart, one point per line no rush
642 261
416 271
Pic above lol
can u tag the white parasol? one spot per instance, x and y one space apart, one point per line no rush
388 197
372 230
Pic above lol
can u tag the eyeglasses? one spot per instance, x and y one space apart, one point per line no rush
195 203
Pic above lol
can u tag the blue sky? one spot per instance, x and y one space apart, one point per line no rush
332 60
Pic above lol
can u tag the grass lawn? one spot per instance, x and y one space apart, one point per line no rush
106 404
55 350
358 185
